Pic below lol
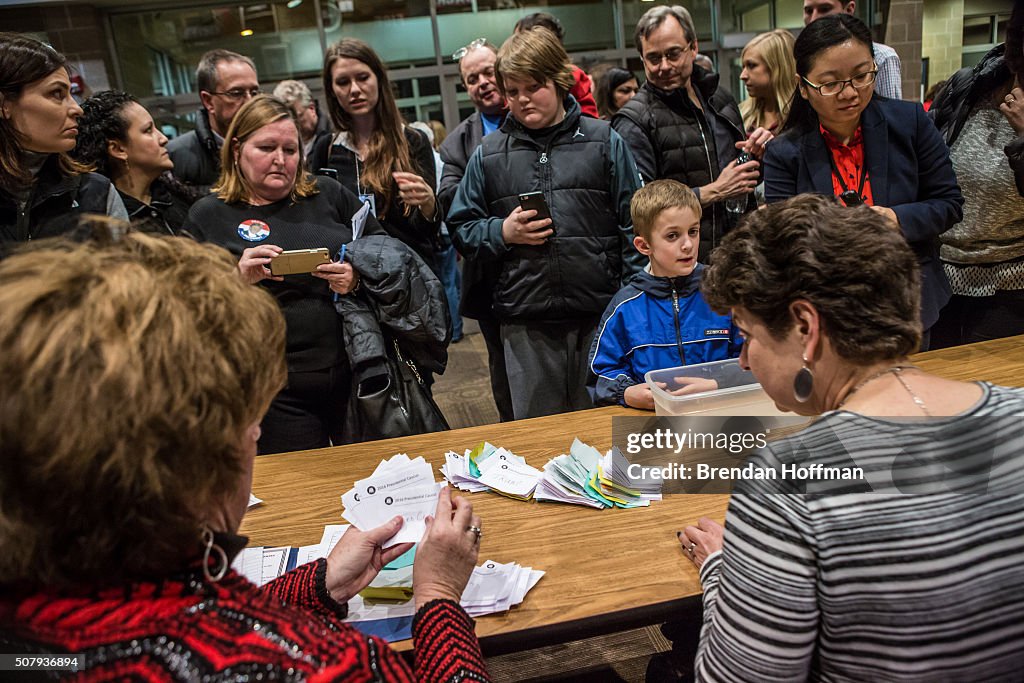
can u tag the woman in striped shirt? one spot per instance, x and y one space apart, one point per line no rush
915 571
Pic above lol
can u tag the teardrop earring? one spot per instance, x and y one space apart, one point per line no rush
803 383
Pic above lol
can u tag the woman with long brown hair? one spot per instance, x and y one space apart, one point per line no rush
384 162
42 189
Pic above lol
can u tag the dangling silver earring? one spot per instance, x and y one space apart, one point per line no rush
211 548
803 383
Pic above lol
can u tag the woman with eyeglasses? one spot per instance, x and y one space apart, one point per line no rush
42 189
384 162
119 138
842 141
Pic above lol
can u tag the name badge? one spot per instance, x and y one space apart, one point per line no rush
371 200
253 230
716 333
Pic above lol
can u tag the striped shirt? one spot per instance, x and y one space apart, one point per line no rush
878 586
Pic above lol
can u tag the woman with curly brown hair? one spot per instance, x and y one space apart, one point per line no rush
119 138
384 162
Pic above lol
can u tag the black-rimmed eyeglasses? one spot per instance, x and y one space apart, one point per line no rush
861 80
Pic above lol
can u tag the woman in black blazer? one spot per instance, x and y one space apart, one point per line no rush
840 140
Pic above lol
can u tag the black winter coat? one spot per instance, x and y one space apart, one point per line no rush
399 292
56 202
196 155
588 177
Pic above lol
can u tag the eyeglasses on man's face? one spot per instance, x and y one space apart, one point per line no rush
672 56
861 80
463 51
238 93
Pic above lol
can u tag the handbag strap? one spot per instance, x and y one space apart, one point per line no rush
407 361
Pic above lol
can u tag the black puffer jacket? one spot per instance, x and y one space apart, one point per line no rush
400 293
587 175
196 155
963 91
681 147
53 208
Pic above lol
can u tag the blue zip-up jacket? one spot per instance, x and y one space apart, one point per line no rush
655 323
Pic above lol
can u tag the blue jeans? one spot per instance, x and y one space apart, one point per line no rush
451 278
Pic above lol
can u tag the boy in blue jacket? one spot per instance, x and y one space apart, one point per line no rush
659 319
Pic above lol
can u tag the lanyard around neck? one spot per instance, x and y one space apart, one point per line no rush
839 176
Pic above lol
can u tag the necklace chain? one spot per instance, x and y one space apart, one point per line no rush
896 370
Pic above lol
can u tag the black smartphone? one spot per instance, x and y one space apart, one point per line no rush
329 172
743 158
535 201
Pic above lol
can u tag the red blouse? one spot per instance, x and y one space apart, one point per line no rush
850 163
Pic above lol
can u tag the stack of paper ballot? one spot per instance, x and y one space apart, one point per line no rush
495 587
487 467
399 486
582 476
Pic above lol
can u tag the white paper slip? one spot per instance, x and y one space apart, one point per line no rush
249 563
511 477
332 534
414 473
412 503
456 470
253 501
359 221
396 460
498 457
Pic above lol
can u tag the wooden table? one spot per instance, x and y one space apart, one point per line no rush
607 570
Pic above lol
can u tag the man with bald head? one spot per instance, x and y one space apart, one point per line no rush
476 66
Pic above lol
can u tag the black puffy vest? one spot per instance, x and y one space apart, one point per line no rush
575 273
684 147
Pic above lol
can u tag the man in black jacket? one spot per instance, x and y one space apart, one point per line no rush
682 126
476 66
226 80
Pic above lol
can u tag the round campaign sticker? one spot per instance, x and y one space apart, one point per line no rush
253 230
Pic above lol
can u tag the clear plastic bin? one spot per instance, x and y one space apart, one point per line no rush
738 393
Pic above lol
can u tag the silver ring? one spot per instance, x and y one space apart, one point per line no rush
1010 98
476 530
691 548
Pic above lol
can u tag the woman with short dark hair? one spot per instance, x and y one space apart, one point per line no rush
42 189
119 138
911 571
841 141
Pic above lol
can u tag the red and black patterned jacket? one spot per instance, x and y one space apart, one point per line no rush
186 629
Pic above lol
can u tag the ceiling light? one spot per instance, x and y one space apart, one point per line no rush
292 4
246 32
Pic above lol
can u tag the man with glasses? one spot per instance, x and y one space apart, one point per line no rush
476 66
889 80
681 125
226 80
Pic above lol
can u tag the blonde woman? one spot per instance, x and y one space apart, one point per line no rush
769 74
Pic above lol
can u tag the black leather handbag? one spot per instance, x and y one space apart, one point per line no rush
393 404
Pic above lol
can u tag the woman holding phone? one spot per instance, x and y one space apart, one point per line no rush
264 203
384 162
841 141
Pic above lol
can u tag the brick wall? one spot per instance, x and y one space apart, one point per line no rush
903 34
943 37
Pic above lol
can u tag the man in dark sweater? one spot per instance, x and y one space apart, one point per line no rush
681 125
226 80
476 66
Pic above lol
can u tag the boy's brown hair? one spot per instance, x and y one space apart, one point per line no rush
653 198
535 54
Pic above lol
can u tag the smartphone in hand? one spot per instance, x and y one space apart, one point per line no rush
299 261
535 201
